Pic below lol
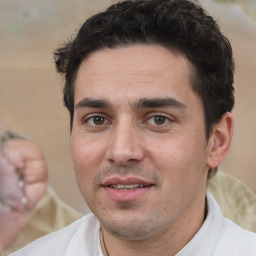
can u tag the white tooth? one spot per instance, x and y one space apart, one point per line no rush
129 186
126 187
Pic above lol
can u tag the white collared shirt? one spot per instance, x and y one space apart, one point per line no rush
218 236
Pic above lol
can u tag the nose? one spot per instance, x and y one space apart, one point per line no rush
125 145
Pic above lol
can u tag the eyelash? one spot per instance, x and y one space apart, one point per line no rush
90 120
153 117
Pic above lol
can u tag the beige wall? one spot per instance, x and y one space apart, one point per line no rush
30 90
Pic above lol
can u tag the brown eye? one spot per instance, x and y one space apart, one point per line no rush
159 120
98 120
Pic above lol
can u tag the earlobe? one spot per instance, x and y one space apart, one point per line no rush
220 140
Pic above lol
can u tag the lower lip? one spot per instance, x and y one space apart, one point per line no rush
128 195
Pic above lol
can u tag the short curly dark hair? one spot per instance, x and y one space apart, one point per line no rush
179 25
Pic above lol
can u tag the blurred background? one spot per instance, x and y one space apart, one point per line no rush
30 89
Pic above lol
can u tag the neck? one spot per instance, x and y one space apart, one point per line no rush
169 242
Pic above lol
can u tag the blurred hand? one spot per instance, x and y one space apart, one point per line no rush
23 182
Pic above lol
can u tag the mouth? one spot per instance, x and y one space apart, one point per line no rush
127 187
125 190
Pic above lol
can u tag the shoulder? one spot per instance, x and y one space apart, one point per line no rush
57 243
235 241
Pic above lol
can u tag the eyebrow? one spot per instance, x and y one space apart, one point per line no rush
140 104
92 103
159 103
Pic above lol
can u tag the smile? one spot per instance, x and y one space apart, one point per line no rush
126 187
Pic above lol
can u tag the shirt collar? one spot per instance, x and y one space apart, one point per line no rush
205 240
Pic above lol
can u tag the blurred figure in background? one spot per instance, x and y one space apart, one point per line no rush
28 208
23 182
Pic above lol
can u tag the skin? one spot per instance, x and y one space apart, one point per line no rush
136 117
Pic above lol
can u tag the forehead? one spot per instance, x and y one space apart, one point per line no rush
133 72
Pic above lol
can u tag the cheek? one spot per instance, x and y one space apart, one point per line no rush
169 153
178 157
84 169
87 157
83 149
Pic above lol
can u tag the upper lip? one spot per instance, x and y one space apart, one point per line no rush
125 181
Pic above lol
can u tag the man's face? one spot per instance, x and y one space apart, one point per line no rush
138 142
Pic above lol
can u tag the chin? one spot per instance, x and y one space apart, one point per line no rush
131 228
130 233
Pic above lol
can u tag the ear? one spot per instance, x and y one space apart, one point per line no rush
220 140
